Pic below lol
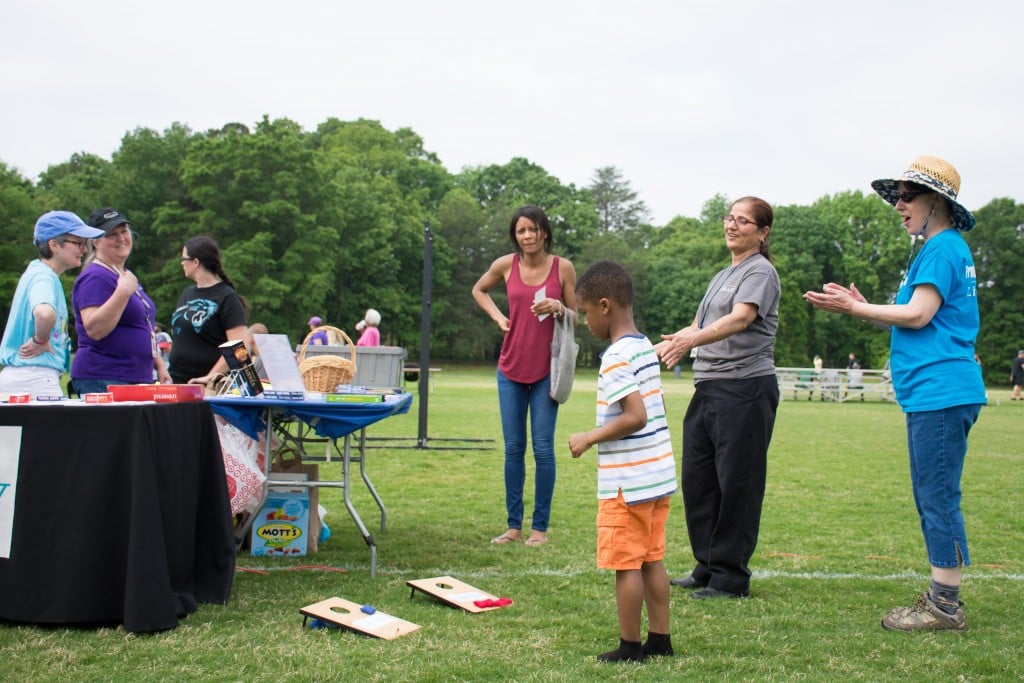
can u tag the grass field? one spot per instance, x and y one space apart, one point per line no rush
839 545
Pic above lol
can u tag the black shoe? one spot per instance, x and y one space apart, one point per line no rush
707 593
658 645
626 652
687 582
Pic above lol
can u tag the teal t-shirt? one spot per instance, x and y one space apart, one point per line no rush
934 367
39 284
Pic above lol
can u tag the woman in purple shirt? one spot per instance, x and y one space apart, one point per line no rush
114 318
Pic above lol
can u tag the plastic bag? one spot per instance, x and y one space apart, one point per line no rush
564 350
241 466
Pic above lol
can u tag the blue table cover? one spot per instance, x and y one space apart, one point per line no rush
328 420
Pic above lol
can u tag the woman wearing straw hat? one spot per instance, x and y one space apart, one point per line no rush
934 323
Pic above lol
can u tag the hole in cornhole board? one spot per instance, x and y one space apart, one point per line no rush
453 592
349 615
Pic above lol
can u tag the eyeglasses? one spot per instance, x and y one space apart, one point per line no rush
738 220
79 244
908 196
187 258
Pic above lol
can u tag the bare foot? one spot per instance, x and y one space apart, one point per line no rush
537 538
510 536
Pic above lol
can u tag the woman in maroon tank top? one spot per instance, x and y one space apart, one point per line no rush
540 286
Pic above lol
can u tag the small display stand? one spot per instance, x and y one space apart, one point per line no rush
279 363
454 592
359 618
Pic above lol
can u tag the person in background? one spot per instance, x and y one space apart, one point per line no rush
370 334
934 323
254 350
209 313
540 286
114 317
1017 376
163 343
317 337
636 471
36 348
729 422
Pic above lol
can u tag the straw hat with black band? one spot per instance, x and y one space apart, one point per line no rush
936 175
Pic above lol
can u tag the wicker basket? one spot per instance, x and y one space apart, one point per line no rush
325 372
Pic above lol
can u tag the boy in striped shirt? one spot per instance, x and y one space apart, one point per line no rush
636 471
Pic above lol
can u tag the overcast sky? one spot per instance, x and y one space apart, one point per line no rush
789 100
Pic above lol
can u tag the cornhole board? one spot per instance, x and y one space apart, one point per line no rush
349 615
452 591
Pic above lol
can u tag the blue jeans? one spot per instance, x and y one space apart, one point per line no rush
92 386
937 442
515 400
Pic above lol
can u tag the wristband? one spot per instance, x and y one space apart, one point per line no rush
37 342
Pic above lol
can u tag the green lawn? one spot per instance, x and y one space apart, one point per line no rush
839 546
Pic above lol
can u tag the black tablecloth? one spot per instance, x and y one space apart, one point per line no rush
122 516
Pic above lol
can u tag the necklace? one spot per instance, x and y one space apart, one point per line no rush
108 266
147 309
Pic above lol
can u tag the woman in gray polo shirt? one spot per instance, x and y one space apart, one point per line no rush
728 424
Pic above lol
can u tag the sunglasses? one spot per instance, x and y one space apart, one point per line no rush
908 196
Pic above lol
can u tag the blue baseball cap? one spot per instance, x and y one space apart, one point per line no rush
53 224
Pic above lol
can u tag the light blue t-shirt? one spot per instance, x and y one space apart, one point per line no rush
38 285
934 367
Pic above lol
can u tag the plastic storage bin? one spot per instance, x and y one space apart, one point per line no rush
376 366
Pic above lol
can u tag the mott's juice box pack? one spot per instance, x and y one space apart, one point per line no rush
281 528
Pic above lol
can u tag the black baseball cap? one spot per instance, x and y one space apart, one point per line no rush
107 218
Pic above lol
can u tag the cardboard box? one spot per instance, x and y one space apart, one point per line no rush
161 393
281 527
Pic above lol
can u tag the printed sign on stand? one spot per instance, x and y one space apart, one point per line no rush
10 453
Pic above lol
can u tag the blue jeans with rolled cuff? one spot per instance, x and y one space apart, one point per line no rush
937 444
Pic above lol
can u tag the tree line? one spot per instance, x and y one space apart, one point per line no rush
331 222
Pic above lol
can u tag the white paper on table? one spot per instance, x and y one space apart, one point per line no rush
539 296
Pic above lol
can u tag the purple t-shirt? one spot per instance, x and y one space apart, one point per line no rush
124 355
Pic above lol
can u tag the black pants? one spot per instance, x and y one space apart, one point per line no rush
726 432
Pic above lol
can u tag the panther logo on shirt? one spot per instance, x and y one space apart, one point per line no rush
195 313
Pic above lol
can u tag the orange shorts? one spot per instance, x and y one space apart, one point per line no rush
630 535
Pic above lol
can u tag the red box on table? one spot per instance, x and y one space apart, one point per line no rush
161 393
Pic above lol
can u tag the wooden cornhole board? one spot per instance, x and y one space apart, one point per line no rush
452 591
347 614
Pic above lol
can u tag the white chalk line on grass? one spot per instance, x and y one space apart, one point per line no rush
569 574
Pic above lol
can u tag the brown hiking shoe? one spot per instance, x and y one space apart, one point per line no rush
924 615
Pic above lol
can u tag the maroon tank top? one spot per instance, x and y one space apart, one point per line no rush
526 351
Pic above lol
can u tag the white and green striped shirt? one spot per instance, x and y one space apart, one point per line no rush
641 464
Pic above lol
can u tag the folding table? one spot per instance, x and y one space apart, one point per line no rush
329 420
